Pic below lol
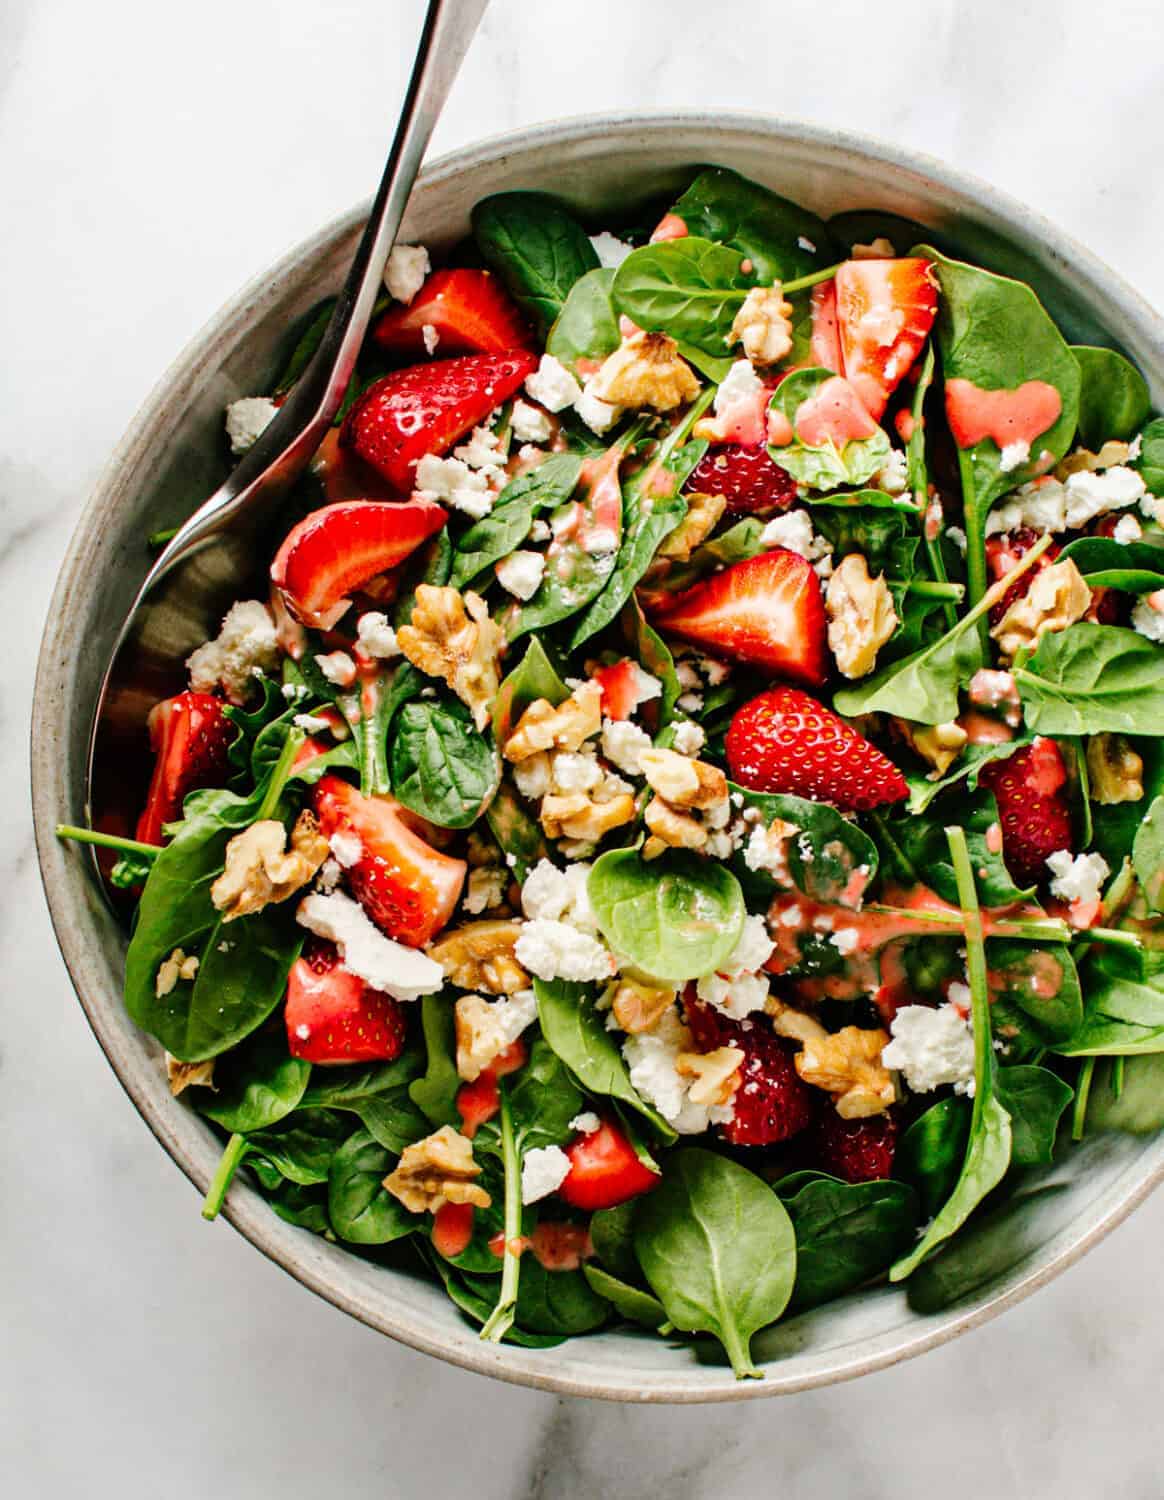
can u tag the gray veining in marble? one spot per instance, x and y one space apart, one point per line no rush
144 1352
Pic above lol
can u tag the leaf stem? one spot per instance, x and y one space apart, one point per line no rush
228 1165
1117 1075
975 973
924 588
1112 937
279 774
919 479
107 841
160 538
1033 930
501 1319
1082 1095
802 283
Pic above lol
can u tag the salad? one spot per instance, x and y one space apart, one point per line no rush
680 824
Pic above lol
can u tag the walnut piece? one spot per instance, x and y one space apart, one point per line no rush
1082 460
794 1024
1057 597
848 1065
454 638
481 1034
258 871
717 1074
438 1170
479 956
703 513
574 815
877 249
645 370
183 1075
1114 770
939 745
178 966
682 781
671 829
637 1005
861 615
764 325
567 727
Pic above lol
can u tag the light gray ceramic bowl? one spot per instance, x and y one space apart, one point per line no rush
172 457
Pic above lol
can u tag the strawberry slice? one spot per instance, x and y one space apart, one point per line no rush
342 547
825 345
885 310
469 311
604 1170
746 477
766 611
856 1150
1030 788
624 687
190 736
407 888
334 1017
785 741
772 1101
427 408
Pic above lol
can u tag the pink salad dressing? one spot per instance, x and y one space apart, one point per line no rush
834 414
669 227
1018 416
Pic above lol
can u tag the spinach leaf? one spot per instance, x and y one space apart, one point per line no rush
301 1152
1037 999
351 1086
534 677
543 1099
361 1210
1113 396
718 1249
475 1295
393 1120
1136 567
782 240
1138 1105
1150 462
830 859
923 841
1035 1098
930 1154
558 1301
676 917
537 248
1124 1008
1116 827
689 288
966 768
1148 855
308 341
826 466
587 327
508 524
845 1233
612 1233
518 836
1091 678
654 656
256 1085
441 767
435 1092
883 529
576 1031
630 1302
305 1207
251 722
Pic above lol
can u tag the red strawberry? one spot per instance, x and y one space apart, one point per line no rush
342 547
766 611
1030 789
604 1170
190 736
1003 554
624 686
772 1102
746 477
407 888
334 1017
427 408
785 741
885 310
856 1150
825 346
469 311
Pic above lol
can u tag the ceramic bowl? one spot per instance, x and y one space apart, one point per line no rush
173 456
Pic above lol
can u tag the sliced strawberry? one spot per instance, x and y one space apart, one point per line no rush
785 741
885 310
190 736
825 347
604 1170
342 547
772 1102
1030 788
427 408
624 687
407 888
1003 554
746 477
766 611
467 308
856 1150
332 1016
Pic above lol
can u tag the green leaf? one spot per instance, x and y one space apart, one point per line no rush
966 768
845 1233
1113 396
350 1087
1124 1008
255 1085
831 859
562 1302
689 288
534 677
305 1207
676 917
361 1210
518 836
1138 1106
587 327
1035 1098
654 656
824 467
1150 462
435 1092
508 524
537 248
718 1249
629 1302
612 1233
782 240
543 1099
313 328
1135 567
923 687
1035 991
923 841
930 1154
1093 678
393 1120
1148 855
302 1151
442 769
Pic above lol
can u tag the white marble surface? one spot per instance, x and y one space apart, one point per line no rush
151 159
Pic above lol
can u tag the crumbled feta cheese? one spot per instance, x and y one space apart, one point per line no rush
600 540
688 738
741 384
556 950
1077 877
958 537
248 642
767 851
806 244
958 994
586 1123
552 385
610 250
793 531
375 637
1127 529
451 481
337 667
404 973
329 876
247 420
311 723
845 940
753 948
482 451
1136 446
1014 455
571 771
650 1057
558 895
294 691
486 888
687 675
738 997
1149 620
690 703
346 847
600 416
540 531
532 777
1090 495
1041 505
521 573
893 478
715 671
543 1171
530 424
404 274
931 1047
623 744
431 338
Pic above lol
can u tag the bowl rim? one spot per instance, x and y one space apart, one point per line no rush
280 1242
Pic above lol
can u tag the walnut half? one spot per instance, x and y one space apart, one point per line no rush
646 370
848 1065
1057 597
861 616
438 1170
716 1074
764 325
480 956
258 871
1115 771
453 637
567 727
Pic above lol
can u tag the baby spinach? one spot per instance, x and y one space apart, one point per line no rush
351 1086
630 1302
884 529
830 858
1091 678
1124 1008
612 1233
301 1151
1150 461
1135 567
923 841
1113 396
1036 997
306 1207
587 327
845 1233
475 1295
676 917
1035 1098
537 248
718 1249
1137 1106
313 327
930 1154
1148 855
441 768
507 525
824 467
435 1092
518 836
561 1302
359 1206
393 1119
689 288
782 240
575 1029
255 1085
966 768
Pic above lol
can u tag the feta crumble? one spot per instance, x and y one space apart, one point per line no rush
1014 455
793 531
558 895
600 416
586 1123
552 385
486 888
1149 620
543 1171
375 637
623 744
248 642
346 847
404 274
767 851
530 424
430 336
556 950
893 478
738 997
610 250
1127 529
451 481
404 973
247 420
931 1047
1077 877
521 573
337 667
688 738
650 1057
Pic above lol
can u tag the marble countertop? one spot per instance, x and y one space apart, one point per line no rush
146 1353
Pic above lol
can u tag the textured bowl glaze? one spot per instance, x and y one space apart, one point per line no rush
172 456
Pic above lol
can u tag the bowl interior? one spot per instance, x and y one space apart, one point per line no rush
173 456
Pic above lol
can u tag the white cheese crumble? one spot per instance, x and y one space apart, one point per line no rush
586 1123
793 531
486 888
404 973
740 385
337 667
690 703
737 997
623 744
404 274
375 637
482 451
247 420
688 738
558 895
347 848
1148 620
1047 505
532 777
557 950
600 416
931 1047
753 948
893 478
958 537
330 873
610 250
248 642
552 385
430 336
521 573
530 424
451 481
311 723
650 1057
1127 529
767 851
1078 877
1013 456
543 1171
